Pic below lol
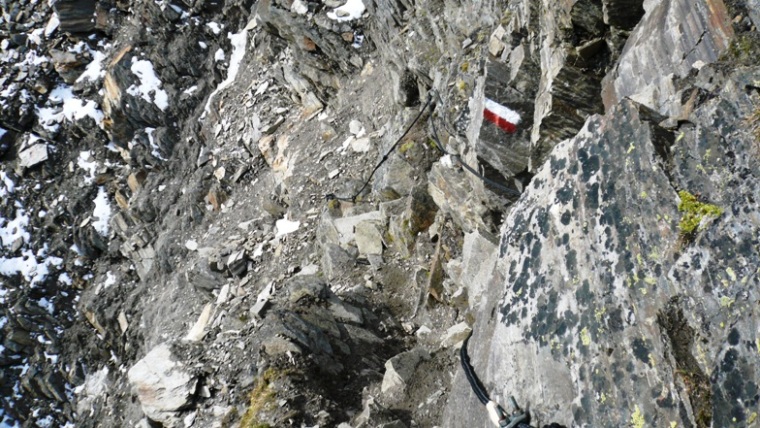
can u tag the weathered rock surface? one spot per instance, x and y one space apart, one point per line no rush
399 370
604 299
164 169
163 385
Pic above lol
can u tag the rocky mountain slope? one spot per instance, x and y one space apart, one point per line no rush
293 212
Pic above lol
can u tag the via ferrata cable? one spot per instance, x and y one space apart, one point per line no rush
497 415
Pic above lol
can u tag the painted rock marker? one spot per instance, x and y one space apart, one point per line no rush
501 116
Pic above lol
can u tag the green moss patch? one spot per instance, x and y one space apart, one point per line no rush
262 398
694 211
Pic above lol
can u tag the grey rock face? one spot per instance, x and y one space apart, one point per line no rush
658 52
605 299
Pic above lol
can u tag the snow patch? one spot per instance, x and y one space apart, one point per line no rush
27 265
64 278
46 304
73 108
150 85
94 70
87 163
238 42
219 55
102 212
7 186
285 226
12 230
155 149
110 279
214 27
353 9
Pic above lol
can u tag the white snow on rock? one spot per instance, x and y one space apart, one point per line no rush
285 226
214 27
353 9
94 70
219 55
28 265
47 305
110 279
150 85
238 41
13 230
7 186
299 7
87 163
155 149
102 212
72 109
65 279
35 36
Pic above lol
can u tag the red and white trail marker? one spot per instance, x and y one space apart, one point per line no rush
501 116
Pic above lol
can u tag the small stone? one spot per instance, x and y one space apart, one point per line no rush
191 245
33 152
224 294
121 200
368 238
189 420
136 180
240 172
309 45
279 346
347 36
299 7
216 199
334 173
198 331
220 172
273 126
237 263
203 157
423 331
495 44
344 312
355 127
335 260
345 226
258 308
123 323
361 145
398 370
90 316
455 335
75 16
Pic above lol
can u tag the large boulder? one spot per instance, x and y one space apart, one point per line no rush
163 385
